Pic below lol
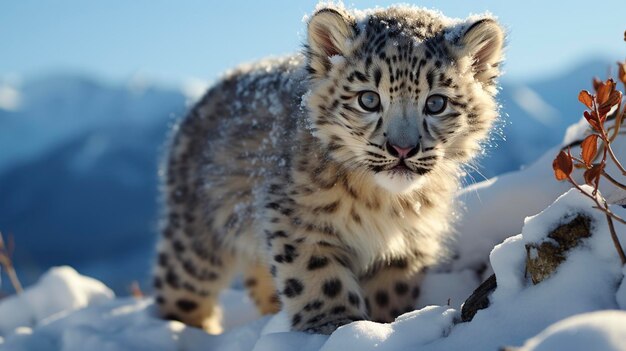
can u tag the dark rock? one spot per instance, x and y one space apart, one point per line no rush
543 259
479 299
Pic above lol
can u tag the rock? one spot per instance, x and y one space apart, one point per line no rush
479 299
543 259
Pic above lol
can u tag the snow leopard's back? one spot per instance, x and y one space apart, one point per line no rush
237 136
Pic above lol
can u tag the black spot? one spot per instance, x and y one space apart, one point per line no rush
377 76
338 310
250 282
316 319
393 313
186 305
398 263
382 298
273 270
342 260
353 298
178 246
293 288
272 205
190 268
329 208
367 305
430 77
157 283
172 279
160 300
290 253
360 76
296 319
331 288
162 259
408 308
313 305
210 276
415 292
317 262
401 288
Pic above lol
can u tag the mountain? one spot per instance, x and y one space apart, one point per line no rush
79 180
535 115
78 167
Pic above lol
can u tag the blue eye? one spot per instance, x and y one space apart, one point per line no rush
436 104
369 101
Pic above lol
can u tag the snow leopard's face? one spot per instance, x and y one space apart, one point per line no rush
402 94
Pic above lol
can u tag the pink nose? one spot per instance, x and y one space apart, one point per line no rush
402 152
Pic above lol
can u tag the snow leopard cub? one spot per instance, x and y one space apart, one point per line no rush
327 178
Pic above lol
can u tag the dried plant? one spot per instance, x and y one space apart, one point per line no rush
7 263
605 105
135 290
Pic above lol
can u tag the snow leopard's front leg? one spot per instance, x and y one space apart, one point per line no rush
392 288
317 286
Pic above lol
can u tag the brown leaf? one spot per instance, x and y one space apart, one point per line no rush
589 148
592 175
592 120
596 82
585 97
562 166
604 91
614 98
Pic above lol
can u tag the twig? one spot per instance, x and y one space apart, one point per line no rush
619 165
607 141
599 206
5 260
616 242
618 123
612 180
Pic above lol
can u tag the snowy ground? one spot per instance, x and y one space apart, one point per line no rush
580 307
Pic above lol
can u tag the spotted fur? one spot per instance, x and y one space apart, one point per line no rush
332 201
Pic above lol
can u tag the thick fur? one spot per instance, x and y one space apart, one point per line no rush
278 171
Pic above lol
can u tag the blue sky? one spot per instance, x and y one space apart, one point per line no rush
172 41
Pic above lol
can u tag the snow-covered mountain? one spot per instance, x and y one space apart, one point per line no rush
78 174
78 164
535 114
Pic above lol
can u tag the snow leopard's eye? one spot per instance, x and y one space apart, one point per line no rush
369 101
436 104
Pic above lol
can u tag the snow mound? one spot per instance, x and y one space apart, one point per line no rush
605 330
60 291
68 312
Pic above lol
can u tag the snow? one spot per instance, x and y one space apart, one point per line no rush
605 330
66 311
61 290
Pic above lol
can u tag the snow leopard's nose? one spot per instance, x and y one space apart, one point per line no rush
401 152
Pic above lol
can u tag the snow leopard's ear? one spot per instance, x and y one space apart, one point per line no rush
330 33
483 43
